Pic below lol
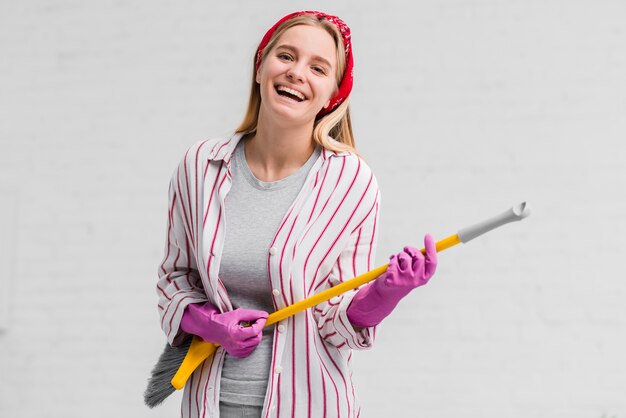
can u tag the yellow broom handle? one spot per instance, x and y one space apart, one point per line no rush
200 350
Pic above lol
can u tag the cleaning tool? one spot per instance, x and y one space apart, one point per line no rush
195 350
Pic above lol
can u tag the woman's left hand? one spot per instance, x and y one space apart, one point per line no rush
408 270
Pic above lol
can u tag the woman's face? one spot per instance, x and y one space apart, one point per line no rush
297 77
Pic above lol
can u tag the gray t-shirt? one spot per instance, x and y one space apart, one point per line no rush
254 210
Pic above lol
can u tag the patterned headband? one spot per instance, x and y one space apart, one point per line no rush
346 82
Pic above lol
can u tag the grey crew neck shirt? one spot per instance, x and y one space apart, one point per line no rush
254 210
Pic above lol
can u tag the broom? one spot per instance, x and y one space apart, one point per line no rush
176 364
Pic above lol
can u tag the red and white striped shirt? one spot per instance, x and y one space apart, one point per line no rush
328 235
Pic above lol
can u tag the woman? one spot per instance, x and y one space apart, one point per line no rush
281 210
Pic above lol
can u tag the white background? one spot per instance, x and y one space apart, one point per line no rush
462 109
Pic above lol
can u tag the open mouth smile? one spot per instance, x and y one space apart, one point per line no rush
290 93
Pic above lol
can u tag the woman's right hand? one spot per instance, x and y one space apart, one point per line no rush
239 340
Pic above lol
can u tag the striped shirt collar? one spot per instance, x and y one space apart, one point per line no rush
224 149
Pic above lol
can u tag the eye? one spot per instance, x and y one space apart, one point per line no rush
284 56
319 70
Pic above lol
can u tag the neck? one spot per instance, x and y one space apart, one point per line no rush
275 151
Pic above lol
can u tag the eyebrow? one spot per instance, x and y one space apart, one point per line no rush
315 57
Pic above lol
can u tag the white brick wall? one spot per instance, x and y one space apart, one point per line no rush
463 108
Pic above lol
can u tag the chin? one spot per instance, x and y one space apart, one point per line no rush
286 113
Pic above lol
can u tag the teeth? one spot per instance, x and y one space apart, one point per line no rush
291 91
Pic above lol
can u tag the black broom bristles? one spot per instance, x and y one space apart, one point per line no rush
159 384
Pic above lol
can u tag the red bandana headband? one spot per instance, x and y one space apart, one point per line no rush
346 82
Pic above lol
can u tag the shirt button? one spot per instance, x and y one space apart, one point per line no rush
278 369
276 292
273 251
281 328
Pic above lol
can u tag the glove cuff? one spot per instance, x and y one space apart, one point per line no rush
369 307
196 316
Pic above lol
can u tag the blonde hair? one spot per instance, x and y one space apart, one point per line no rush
336 124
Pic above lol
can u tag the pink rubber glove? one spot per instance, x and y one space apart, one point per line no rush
407 270
205 321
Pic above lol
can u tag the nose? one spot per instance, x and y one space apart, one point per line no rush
295 73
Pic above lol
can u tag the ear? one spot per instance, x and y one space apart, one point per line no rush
257 76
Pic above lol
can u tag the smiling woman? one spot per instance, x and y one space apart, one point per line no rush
296 78
282 209
331 63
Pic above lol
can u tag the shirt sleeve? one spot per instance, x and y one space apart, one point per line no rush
356 259
179 281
